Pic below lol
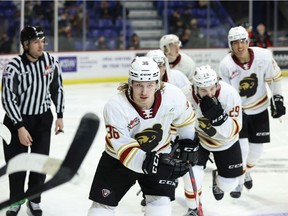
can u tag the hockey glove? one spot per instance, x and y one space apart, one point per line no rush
187 150
164 166
211 108
277 108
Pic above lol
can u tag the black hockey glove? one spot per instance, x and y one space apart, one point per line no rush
279 109
164 166
187 150
211 108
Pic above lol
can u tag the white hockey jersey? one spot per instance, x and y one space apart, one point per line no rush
176 78
250 79
131 132
218 138
185 64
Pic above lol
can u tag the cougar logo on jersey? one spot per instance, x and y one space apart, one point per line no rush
205 125
105 192
150 137
248 86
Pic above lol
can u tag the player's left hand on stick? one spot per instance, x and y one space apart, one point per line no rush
277 107
164 165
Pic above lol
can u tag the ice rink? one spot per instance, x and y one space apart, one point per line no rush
268 197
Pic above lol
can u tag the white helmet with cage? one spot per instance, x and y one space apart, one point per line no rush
237 33
168 39
204 76
144 69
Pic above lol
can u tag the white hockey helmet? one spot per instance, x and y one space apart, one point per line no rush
168 39
157 55
144 69
204 76
237 33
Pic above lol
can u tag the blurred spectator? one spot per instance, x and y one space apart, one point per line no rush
249 29
76 21
185 37
65 35
105 12
134 42
262 37
176 24
101 43
196 39
5 44
186 17
203 3
118 11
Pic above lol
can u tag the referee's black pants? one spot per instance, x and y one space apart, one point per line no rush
39 127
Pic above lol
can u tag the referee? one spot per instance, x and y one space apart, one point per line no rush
30 82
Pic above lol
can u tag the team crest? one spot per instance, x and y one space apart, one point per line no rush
205 125
149 138
248 86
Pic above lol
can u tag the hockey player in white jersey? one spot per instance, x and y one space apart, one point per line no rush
217 106
248 70
172 76
170 45
138 121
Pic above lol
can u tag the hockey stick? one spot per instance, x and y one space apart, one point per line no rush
36 163
31 161
195 191
5 133
79 147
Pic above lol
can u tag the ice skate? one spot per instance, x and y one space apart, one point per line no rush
33 209
248 182
217 192
237 192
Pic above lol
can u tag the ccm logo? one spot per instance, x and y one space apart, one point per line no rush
167 182
234 166
190 149
155 164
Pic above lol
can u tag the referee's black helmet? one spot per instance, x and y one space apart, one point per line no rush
31 32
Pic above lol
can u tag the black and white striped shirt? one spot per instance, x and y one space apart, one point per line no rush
28 87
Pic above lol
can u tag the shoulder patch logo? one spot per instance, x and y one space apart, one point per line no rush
105 193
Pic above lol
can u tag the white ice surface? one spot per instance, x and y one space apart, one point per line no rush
268 197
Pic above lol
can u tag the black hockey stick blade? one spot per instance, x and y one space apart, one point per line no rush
80 145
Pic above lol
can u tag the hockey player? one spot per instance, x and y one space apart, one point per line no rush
218 122
138 121
248 70
172 76
170 45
